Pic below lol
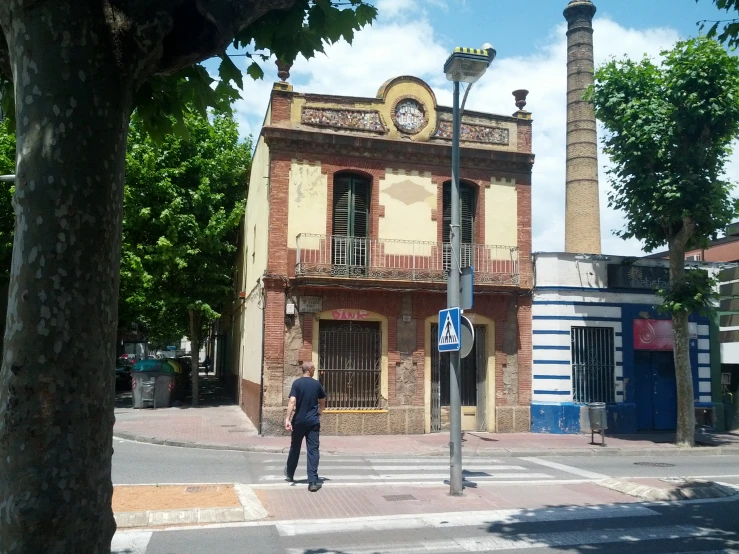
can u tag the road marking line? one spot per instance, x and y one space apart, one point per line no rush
566 468
425 484
410 467
534 540
457 519
413 476
130 542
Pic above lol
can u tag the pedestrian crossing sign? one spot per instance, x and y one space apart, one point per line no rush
449 330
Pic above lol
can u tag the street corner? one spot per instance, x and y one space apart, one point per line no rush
136 506
669 488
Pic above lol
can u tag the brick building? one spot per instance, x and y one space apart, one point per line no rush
344 253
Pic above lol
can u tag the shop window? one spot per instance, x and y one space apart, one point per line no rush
349 364
467 222
350 240
593 364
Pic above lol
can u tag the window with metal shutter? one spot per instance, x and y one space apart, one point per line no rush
350 242
467 212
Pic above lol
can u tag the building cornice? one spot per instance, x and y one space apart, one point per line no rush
380 148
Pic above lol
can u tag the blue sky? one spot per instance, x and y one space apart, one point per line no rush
517 27
414 37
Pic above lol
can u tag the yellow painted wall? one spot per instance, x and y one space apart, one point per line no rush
252 329
308 199
501 213
256 228
408 198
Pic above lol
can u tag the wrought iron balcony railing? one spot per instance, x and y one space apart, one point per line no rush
359 257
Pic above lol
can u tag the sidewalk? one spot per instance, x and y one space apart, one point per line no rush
228 428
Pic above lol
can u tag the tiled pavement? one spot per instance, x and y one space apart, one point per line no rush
296 502
227 427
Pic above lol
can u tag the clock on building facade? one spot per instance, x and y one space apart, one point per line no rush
409 115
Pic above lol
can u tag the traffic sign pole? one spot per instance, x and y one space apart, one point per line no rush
453 300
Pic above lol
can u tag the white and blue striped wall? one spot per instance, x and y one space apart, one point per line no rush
552 321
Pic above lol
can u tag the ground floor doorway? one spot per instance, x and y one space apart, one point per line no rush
349 364
473 389
656 390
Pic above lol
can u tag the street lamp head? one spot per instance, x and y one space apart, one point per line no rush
467 65
490 50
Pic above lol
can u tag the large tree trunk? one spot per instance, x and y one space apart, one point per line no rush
195 354
683 373
57 380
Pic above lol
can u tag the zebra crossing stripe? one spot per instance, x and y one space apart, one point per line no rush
532 540
328 467
415 477
446 520
130 542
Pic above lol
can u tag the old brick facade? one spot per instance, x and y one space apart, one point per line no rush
395 287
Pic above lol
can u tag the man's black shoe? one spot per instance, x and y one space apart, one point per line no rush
288 478
313 487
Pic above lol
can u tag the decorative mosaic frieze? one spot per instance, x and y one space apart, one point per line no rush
473 133
359 120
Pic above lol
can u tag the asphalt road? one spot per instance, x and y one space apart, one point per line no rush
138 463
636 528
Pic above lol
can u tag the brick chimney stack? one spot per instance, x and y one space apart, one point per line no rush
582 212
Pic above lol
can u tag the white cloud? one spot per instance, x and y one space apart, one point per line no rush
411 46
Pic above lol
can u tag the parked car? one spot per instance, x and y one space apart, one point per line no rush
123 373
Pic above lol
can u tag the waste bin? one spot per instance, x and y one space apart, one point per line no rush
598 420
152 389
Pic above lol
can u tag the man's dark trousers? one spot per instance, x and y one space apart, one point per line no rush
310 432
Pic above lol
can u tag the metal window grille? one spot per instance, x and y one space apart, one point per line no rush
593 361
349 364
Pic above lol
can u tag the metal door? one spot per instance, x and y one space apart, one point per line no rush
435 381
481 359
643 390
474 376
665 391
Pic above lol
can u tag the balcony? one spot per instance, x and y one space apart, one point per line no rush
400 260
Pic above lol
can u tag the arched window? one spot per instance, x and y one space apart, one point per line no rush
467 223
467 212
350 242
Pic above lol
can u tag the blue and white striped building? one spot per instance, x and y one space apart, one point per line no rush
597 337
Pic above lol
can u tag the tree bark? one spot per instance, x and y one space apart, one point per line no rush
194 354
57 382
685 435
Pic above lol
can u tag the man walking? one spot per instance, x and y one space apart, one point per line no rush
307 401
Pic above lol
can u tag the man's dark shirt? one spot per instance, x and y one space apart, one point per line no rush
307 392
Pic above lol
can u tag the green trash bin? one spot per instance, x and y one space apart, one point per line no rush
153 384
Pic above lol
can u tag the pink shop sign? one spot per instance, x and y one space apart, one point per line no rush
351 315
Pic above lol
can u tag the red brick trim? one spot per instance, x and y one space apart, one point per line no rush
524 136
279 201
523 196
380 210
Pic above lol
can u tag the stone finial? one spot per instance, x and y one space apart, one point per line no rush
520 96
283 70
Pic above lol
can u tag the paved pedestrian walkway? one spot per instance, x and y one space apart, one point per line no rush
228 428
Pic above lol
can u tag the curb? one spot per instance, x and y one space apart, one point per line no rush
695 489
443 451
157 518
251 510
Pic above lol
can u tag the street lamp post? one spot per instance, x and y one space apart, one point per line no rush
465 65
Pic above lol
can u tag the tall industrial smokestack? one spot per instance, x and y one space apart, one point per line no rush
582 214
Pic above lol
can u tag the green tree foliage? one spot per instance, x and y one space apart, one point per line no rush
669 130
289 29
726 30
80 70
7 217
184 200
